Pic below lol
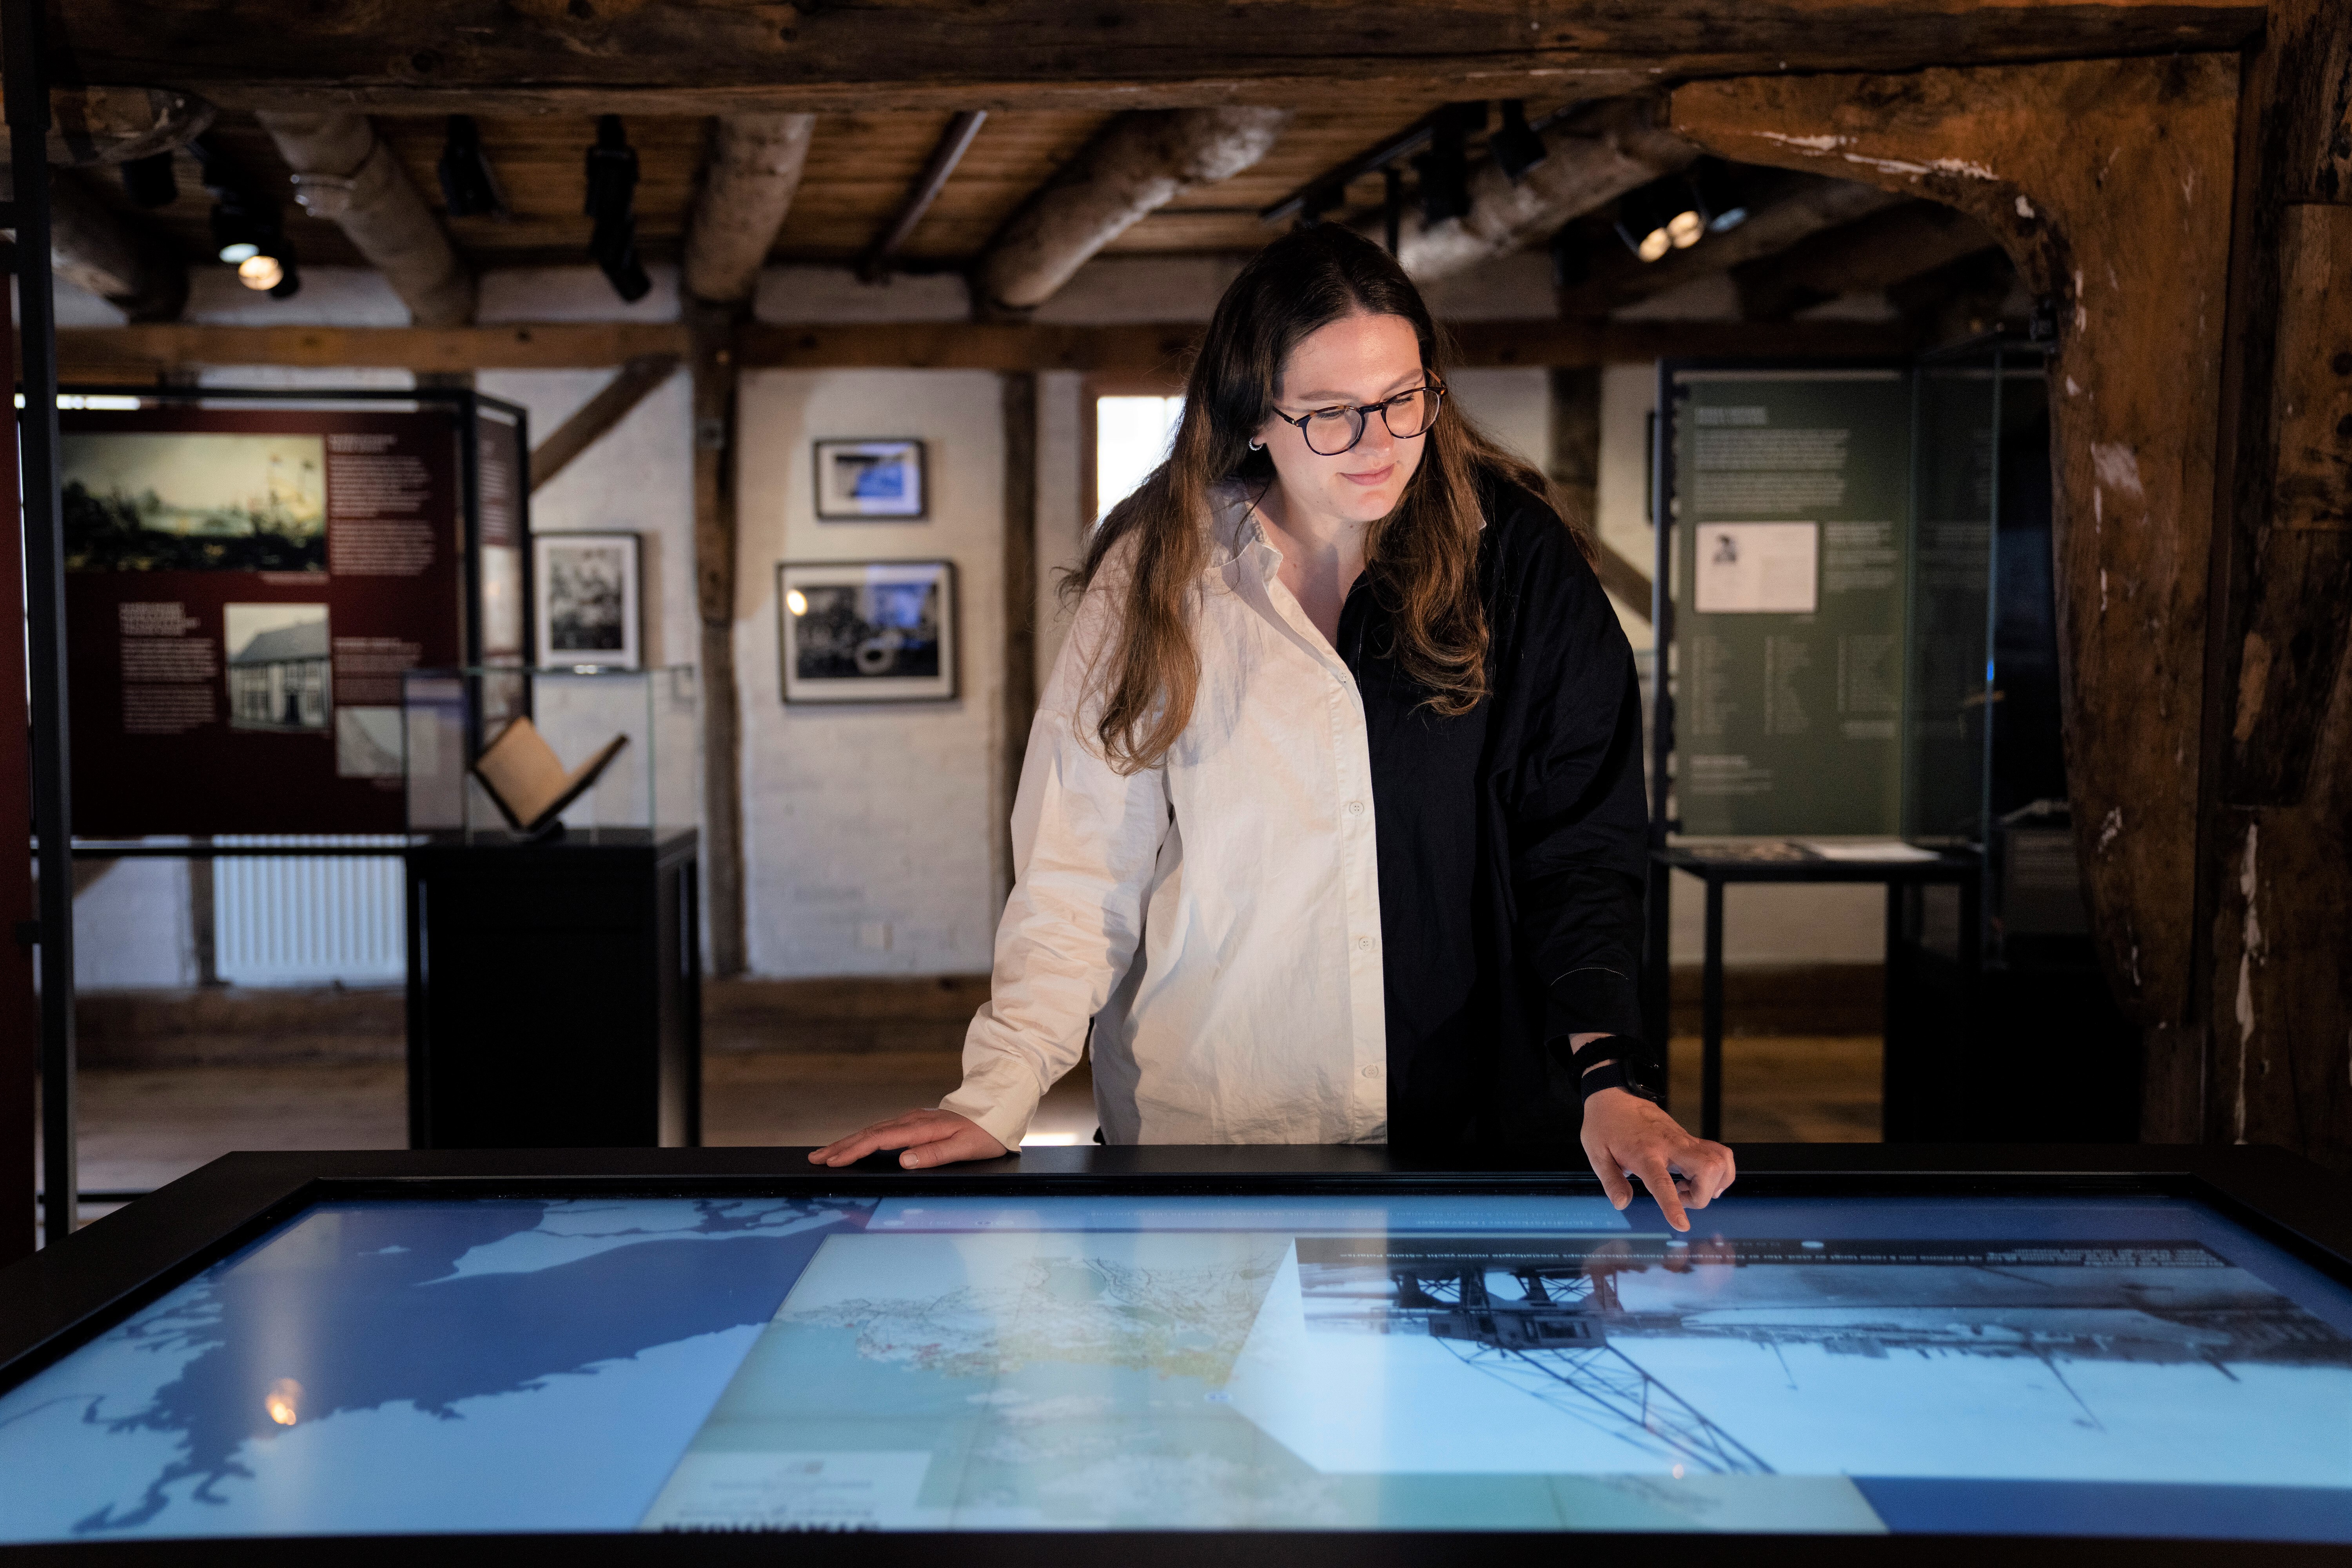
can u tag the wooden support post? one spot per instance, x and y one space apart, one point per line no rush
1575 474
713 361
2108 182
1020 404
638 380
2266 1059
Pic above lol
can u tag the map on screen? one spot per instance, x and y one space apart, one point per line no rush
2101 1365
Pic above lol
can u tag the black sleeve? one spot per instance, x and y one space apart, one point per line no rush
1577 822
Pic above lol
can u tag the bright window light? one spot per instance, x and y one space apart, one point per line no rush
1131 438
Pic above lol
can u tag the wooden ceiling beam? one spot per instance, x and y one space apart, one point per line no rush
638 380
1592 156
954 141
1888 247
128 354
117 124
90 355
344 173
1783 208
128 263
643 57
747 188
1135 165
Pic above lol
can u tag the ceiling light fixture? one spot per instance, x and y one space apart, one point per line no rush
469 186
1444 169
1719 194
149 181
612 202
1516 148
1642 223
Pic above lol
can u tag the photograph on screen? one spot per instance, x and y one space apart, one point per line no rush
280 674
193 501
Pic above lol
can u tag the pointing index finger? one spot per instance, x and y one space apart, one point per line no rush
1661 1183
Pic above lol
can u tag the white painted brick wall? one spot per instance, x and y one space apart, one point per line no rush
870 832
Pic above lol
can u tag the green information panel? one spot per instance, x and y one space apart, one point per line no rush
1792 491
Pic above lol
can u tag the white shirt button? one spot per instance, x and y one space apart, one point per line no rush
1354 808
1364 943
1375 1071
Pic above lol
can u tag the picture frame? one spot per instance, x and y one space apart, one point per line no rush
589 596
868 631
878 479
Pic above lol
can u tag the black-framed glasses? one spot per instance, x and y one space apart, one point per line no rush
1331 431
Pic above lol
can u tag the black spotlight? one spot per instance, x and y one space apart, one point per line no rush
612 202
1516 148
1444 172
1720 201
290 281
148 181
1571 261
468 187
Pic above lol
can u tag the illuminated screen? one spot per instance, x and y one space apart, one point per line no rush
2120 1364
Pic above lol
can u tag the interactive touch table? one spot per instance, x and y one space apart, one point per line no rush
1308 1351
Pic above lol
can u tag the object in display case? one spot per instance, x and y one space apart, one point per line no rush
589 599
866 481
456 719
874 631
527 781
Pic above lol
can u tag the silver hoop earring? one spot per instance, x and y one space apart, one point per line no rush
1257 446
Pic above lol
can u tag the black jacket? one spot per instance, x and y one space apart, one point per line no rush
1511 844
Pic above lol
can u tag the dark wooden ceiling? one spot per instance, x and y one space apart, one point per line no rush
859 168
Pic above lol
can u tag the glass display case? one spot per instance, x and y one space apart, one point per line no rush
1983 762
653 781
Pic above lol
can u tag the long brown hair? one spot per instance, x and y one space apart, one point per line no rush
1421 558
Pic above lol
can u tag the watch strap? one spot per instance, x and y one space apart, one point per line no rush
1615 1075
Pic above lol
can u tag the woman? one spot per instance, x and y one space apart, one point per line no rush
1331 824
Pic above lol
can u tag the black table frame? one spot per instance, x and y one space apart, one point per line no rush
58 1298
1964 869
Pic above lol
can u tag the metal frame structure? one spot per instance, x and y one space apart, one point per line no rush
54 847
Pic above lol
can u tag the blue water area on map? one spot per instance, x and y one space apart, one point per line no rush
452 1365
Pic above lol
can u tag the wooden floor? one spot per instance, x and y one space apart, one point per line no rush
143 1127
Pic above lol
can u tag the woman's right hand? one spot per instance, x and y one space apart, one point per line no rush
928 1137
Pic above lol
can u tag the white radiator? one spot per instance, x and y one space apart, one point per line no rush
305 921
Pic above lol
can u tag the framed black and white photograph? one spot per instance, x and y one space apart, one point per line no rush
588 587
869 631
870 481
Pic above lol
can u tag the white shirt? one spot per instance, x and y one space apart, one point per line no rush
1217 917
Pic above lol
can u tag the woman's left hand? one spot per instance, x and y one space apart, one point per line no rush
1625 1135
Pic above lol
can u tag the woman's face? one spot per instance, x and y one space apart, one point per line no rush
1349 363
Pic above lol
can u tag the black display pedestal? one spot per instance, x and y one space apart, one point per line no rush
1916 1058
554 995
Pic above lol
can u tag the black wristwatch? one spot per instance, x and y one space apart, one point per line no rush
1623 1063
